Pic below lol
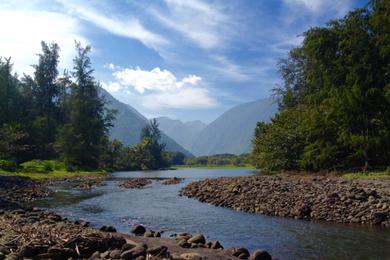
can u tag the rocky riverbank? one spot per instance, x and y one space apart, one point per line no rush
313 198
135 183
30 233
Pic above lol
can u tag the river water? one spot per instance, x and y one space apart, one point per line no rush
159 207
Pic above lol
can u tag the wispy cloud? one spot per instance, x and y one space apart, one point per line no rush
161 88
22 31
320 6
201 23
129 27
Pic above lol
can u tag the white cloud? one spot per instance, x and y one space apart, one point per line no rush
129 27
156 79
161 89
23 30
111 86
203 24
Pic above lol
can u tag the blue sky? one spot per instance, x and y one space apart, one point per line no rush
186 59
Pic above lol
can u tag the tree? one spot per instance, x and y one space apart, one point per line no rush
335 97
83 136
150 148
10 97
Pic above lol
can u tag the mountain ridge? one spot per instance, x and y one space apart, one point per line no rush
128 124
233 131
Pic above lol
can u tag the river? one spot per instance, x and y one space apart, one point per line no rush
160 207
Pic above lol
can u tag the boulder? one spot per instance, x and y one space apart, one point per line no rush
197 239
260 254
216 245
157 251
138 230
115 254
241 253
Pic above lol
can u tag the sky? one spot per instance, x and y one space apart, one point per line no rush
185 59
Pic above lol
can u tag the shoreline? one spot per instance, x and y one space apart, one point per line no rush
29 232
331 199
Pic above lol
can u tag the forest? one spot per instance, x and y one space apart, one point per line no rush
334 104
60 122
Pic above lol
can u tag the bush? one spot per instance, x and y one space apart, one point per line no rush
9 166
42 166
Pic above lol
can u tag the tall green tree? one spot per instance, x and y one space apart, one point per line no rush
83 136
336 91
150 149
10 98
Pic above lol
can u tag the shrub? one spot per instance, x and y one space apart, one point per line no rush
40 166
7 165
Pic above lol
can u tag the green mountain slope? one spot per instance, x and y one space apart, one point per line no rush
129 122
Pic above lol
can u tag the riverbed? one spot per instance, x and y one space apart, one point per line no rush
160 207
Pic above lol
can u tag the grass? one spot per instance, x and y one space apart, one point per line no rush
54 174
368 175
215 166
47 169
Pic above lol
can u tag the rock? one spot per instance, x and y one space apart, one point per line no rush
157 251
191 256
29 251
133 253
115 254
216 245
95 255
184 244
197 239
108 229
4 250
138 230
260 255
149 233
183 236
126 247
379 217
105 254
62 252
241 253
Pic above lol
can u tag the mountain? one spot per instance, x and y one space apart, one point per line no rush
185 133
129 122
233 131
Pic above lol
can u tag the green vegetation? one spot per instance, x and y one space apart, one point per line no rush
218 161
44 169
58 126
335 101
216 166
368 175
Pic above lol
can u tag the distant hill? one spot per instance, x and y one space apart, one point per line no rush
129 122
185 133
233 131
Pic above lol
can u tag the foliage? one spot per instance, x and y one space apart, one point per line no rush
335 101
175 158
8 166
218 160
41 166
47 118
82 137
